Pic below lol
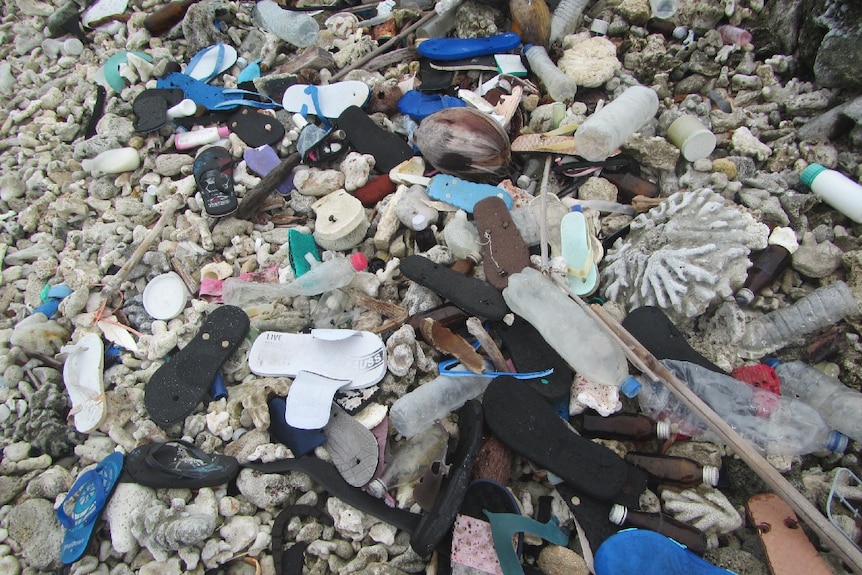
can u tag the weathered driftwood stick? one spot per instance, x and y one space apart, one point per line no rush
474 326
266 186
385 47
393 57
641 358
113 284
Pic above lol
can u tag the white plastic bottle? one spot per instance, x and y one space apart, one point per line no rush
584 344
462 238
561 87
821 308
323 277
792 427
195 138
416 411
113 162
610 127
840 406
297 28
411 461
835 189
565 17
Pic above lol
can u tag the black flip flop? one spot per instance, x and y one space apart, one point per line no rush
178 463
290 560
176 388
471 294
525 422
213 170
367 137
255 127
151 108
530 352
656 332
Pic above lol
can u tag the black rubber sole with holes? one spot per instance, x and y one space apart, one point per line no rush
180 384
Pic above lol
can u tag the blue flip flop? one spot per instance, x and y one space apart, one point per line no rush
210 62
645 552
419 105
87 498
212 97
448 49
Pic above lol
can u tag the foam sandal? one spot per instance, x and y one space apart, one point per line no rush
475 296
321 363
210 62
352 447
461 48
326 102
87 497
464 194
262 160
300 441
176 388
577 250
530 426
178 464
151 108
213 169
504 526
255 127
503 248
419 105
645 552
212 97
82 374
290 560
388 149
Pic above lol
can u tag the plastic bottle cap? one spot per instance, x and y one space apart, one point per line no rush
772 362
420 222
618 514
662 429
710 475
223 131
630 387
744 296
812 171
165 296
837 442
377 488
599 26
359 261
693 139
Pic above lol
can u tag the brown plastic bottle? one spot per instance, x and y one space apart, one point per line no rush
167 17
767 268
630 185
672 469
630 426
691 537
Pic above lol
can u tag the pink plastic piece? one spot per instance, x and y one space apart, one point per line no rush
473 546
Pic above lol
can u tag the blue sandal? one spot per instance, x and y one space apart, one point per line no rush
212 97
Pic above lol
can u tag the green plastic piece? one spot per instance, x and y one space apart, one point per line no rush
505 525
301 244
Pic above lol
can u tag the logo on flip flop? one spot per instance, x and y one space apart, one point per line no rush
369 362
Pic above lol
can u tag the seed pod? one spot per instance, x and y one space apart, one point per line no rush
463 142
532 20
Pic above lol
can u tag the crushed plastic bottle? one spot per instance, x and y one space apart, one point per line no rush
575 335
297 28
792 428
411 461
840 406
560 86
609 128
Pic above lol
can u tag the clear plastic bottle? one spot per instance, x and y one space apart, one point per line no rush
575 335
792 428
561 87
835 189
419 409
297 28
565 18
113 162
323 277
411 461
609 128
840 406
462 238
823 307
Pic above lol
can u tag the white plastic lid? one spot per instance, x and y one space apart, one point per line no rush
165 296
710 475
618 514
698 145
662 429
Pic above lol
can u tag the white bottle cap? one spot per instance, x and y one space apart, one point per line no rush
618 514
710 475
693 139
376 488
662 429
420 222
165 296
599 27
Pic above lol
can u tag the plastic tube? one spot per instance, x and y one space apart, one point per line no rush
560 86
565 17
610 127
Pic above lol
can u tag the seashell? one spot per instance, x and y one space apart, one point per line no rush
532 20
683 255
464 143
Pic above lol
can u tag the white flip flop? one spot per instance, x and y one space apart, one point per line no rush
325 101
211 61
82 374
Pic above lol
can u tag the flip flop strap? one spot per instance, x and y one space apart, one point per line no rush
198 453
91 476
228 104
312 91
445 365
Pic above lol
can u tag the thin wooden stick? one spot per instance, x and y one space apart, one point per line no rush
385 47
265 187
641 358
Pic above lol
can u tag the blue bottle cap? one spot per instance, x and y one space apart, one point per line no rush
630 387
837 442
218 389
772 362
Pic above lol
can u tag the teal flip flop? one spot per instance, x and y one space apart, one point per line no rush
87 498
